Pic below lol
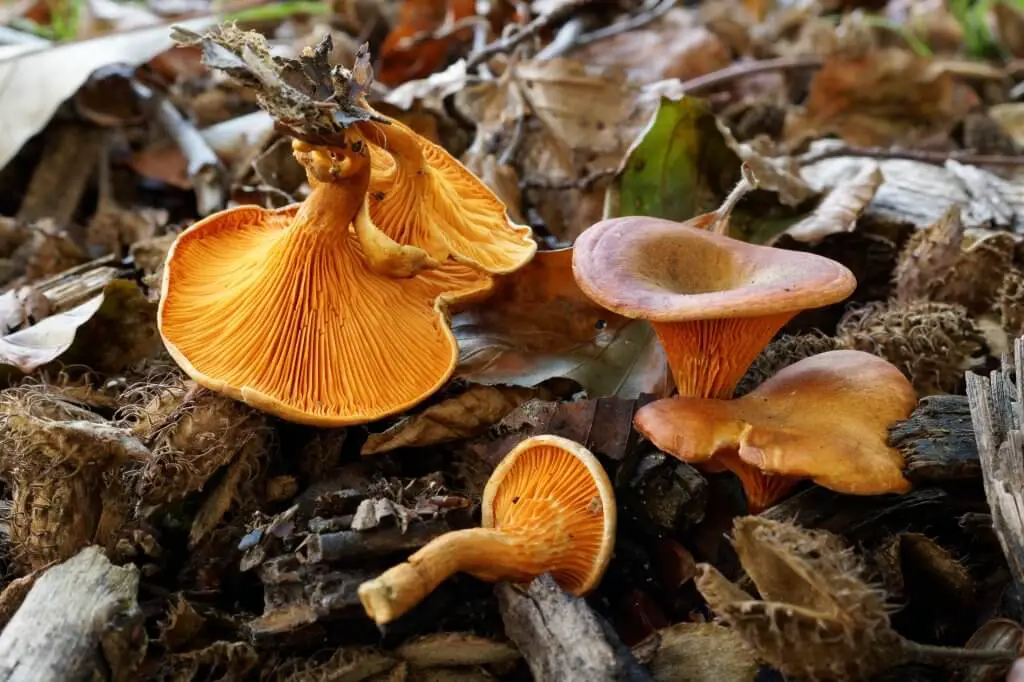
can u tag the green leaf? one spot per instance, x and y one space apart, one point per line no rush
679 167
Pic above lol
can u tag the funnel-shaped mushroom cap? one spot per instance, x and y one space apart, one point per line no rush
714 301
547 508
825 417
420 196
279 308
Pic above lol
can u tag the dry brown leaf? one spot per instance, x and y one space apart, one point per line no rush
839 210
532 116
676 46
883 97
33 84
456 649
538 325
464 416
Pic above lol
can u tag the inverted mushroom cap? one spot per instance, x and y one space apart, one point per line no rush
279 309
714 302
825 417
547 508
555 493
421 196
665 271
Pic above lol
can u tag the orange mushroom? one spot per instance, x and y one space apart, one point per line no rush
280 309
426 208
547 508
825 418
715 302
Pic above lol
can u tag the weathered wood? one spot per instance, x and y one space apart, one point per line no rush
996 410
561 638
938 441
80 621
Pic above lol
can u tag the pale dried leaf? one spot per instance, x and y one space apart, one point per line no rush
779 175
839 210
34 83
464 416
33 347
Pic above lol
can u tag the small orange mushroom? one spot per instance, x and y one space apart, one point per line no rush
825 418
547 508
715 302
428 208
280 309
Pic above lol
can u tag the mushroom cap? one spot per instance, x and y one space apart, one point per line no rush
825 417
665 271
422 196
550 483
279 309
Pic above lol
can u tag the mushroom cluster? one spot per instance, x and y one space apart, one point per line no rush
334 311
715 303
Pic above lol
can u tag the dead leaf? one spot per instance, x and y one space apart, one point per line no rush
34 84
456 649
675 46
408 52
839 210
464 416
538 325
883 97
530 118
33 347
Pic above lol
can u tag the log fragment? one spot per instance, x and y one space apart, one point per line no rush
938 441
80 621
561 638
997 412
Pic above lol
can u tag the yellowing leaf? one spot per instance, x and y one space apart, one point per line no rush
539 325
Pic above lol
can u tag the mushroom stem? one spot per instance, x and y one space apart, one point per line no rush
729 346
762 490
485 553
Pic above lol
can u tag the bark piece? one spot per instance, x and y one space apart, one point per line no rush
80 621
561 638
938 441
997 412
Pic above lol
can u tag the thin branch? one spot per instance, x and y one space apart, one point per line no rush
716 79
639 20
446 30
936 158
530 30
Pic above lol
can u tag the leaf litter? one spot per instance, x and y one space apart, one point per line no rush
882 135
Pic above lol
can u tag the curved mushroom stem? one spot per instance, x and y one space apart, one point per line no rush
483 552
762 490
709 357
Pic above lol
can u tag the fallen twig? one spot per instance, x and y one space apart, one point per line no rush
648 14
511 41
936 158
733 72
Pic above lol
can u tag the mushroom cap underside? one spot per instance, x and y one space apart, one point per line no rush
557 491
826 418
289 319
665 271
435 203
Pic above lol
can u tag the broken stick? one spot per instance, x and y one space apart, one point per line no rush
80 621
997 411
561 638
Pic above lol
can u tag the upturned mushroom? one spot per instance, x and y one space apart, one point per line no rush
715 302
825 418
547 508
280 309
425 208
